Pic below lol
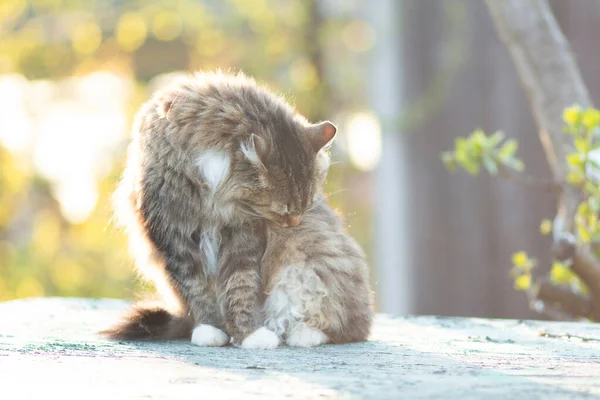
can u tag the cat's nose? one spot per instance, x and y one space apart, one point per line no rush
294 220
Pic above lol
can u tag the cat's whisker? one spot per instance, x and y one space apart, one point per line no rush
328 195
336 163
325 197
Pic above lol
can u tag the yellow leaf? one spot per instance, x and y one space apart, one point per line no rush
574 159
583 233
583 209
592 222
591 118
580 285
575 177
520 259
560 274
523 282
546 227
572 114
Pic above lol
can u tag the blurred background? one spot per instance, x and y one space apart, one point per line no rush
401 79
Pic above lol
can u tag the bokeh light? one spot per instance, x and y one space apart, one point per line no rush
364 140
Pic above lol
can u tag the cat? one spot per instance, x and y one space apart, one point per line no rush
222 199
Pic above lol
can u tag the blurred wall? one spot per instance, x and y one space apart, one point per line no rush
460 231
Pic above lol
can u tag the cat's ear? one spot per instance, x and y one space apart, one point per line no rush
256 150
321 134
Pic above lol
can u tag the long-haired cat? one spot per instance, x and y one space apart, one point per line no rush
222 200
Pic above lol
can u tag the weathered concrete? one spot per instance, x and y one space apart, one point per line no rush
48 349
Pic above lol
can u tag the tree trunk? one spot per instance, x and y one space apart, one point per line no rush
552 81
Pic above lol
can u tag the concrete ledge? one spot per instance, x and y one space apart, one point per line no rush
48 349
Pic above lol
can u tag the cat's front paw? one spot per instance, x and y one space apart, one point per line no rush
262 338
305 336
208 335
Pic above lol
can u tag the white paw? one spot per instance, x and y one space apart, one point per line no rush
305 336
208 335
262 338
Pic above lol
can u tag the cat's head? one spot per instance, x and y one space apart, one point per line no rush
289 166
278 163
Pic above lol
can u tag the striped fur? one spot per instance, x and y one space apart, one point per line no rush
220 173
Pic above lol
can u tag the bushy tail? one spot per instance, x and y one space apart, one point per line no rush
150 323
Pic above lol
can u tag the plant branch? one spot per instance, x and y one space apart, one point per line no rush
585 265
563 300
529 181
551 79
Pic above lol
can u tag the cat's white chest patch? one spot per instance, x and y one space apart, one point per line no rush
210 241
214 167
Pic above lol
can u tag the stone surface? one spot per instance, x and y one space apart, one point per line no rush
49 349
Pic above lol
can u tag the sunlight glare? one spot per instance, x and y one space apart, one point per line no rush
15 126
364 141
70 129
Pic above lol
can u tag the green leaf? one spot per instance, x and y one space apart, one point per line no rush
460 143
594 204
448 160
494 139
467 162
508 149
591 188
569 130
582 145
575 177
490 165
471 168
478 137
515 164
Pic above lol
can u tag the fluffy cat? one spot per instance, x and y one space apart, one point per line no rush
222 200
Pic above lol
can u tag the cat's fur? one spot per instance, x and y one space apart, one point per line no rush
222 199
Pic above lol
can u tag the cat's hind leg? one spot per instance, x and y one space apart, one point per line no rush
294 307
303 335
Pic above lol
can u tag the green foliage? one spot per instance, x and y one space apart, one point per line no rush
480 150
43 254
583 125
269 39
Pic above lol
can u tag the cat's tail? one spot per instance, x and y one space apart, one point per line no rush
151 323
